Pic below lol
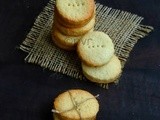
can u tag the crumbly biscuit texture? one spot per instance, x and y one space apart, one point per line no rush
95 48
87 105
75 11
105 74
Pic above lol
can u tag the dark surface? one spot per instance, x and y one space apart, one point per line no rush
27 90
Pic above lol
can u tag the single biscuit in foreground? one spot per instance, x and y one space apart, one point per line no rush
75 12
104 74
75 31
76 105
95 48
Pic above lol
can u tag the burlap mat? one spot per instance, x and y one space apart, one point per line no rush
123 27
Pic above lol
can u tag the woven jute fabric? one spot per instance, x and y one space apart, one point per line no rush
124 28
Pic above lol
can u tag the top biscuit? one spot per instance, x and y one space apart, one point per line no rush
95 48
75 11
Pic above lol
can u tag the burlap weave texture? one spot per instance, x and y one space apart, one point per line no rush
123 27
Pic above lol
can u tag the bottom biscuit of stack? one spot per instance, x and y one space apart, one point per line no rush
107 73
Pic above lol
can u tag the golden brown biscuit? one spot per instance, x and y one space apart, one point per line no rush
95 48
75 31
75 12
76 104
63 23
65 42
60 45
68 41
104 74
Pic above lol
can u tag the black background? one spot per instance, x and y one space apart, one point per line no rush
27 90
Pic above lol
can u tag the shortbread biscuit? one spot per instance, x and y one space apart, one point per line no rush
75 31
75 105
63 23
105 74
60 45
95 48
75 12
68 41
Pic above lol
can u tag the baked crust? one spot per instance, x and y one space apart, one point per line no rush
77 12
104 74
75 31
95 48
88 109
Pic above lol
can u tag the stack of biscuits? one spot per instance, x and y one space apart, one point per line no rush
72 20
73 29
99 64
75 104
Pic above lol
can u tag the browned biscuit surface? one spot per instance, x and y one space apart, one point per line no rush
63 23
104 74
75 31
95 48
86 105
75 12
68 41
59 44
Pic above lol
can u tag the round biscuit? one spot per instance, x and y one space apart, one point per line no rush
64 40
95 48
88 105
75 31
104 74
69 41
60 45
75 12
63 23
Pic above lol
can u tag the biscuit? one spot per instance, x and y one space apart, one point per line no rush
68 41
105 74
60 45
75 12
63 23
76 104
95 48
75 31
